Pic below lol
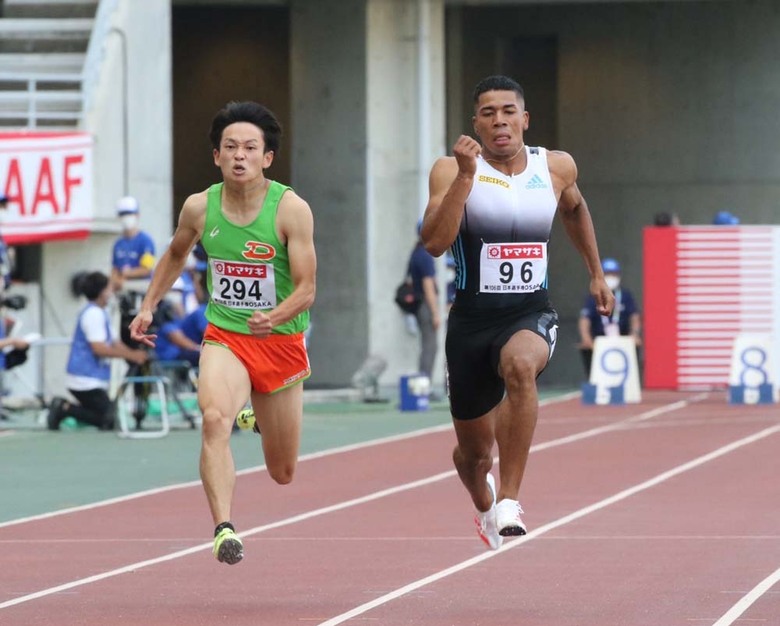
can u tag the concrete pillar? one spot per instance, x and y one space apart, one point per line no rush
328 69
361 161
406 127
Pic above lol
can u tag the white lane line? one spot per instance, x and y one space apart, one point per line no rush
308 515
304 457
567 519
734 613
646 415
252 531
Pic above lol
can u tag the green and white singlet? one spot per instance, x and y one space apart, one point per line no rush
249 268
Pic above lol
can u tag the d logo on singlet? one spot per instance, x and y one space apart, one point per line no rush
257 251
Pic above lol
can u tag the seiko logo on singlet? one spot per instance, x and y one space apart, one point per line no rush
536 182
493 181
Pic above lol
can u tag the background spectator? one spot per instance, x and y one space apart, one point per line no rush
133 253
664 218
88 369
725 218
450 260
625 318
6 257
181 339
422 270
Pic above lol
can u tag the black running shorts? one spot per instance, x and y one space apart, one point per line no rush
473 349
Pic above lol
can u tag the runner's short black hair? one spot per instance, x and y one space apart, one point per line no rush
497 83
251 112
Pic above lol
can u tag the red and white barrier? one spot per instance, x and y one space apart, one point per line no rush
704 286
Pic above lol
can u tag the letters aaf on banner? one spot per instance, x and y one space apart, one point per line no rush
47 178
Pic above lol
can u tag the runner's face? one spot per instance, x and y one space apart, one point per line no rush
499 122
241 155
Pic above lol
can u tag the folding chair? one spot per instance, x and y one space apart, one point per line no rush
162 385
184 383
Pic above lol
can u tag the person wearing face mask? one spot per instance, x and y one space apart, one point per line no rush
624 320
89 369
133 255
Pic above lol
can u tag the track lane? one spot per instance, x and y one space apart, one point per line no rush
304 563
160 523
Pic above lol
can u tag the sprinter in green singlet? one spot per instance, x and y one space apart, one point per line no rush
259 237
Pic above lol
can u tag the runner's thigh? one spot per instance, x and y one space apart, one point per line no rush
279 416
223 382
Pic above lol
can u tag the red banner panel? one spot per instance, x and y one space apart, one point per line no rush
704 285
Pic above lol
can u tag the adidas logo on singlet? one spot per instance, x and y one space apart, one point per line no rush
536 182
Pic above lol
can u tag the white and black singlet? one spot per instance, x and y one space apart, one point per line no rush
501 250
501 278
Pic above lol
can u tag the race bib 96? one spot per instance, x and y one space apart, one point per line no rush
512 267
241 285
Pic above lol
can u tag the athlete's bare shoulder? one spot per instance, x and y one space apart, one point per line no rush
294 217
292 202
445 165
562 167
193 211
443 172
196 202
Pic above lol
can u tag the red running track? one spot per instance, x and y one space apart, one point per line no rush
659 514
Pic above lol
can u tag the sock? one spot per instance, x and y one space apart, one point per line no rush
223 526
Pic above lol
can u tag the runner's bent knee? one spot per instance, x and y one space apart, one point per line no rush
519 369
216 423
282 473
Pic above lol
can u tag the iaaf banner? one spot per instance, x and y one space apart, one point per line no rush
47 178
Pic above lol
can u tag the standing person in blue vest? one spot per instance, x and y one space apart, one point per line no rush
422 271
493 203
624 319
133 256
89 369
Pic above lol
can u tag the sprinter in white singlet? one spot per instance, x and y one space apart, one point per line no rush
493 204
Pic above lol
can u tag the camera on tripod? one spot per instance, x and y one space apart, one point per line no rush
129 305
17 302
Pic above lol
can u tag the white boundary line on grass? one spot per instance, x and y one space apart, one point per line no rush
330 509
567 519
305 457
